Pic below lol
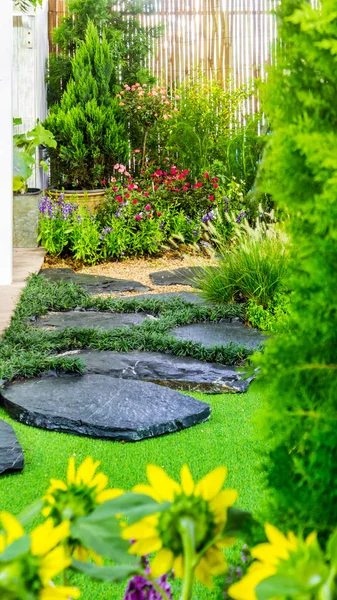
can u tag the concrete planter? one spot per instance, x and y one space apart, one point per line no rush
26 219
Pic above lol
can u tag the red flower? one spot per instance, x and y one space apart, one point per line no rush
156 187
148 207
185 172
131 187
103 181
127 195
159 214
134 201
146 194
215 179
206 175
215 185
211 197
185 188
119 199
115 189
138 217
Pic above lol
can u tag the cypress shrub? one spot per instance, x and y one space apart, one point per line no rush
87 124
299 367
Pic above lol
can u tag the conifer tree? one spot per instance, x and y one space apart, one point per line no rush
87 124
299 367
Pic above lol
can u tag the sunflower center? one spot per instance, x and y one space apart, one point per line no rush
194 508
76 501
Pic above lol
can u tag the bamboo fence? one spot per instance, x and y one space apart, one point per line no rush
223 40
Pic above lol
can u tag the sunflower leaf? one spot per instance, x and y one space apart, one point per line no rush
103 535
133 506
116 573
32 511
278 586
16 549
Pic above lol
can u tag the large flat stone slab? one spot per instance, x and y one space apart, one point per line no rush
186 296
181 276
220 334
88 319
102 407
94 284
176 372
11 456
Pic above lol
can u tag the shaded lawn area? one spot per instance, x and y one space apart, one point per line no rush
227 438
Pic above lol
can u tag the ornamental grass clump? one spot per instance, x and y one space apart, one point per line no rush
298 369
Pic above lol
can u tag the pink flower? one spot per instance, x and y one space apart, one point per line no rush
165 117
127 195
103 181
211 197
198 184
127 87
139 108
135 201
131 187
121 103
122 92
215 185
138 217
116 167
206 175
146 194
126 174
137 151
185 172
185 188
148 207
215 179
115 189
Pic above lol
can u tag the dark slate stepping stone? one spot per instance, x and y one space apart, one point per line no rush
186 296
176 372
93 284
181 276
220 334
11 457
88 319
102 407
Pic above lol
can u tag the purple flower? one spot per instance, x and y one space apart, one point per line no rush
118 214
141 589
195 232
241 216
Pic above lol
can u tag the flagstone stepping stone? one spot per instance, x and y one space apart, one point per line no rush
11 457
220 334
176 372
181 276
93 284
99 406
57 321
186 296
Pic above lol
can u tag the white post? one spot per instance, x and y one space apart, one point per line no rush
6 143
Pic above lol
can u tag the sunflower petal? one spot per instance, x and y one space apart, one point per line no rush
59 593
278 540
45 537
71 472
202 573
164 486
12 527
86 471
53 563
142 529
245 588
100 481
221 502
178 566
146 546
57 484
162 563
147 490
108 495
210 485
187 482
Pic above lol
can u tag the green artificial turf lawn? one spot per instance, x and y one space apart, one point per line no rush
227 438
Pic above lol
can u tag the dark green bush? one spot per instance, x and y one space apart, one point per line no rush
87 125
299 366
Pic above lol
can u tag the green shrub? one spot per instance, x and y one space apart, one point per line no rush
299 366
253 268
269 317
87 125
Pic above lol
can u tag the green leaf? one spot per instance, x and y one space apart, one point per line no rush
18 548
103 535
332 549
22 168
30 513
116 573
133 506
278 586
17 121
238 521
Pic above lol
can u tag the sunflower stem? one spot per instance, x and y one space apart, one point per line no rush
187 536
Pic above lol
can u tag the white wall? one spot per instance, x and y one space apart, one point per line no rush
30 52
6 154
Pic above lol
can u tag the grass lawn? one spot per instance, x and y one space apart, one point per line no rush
227 438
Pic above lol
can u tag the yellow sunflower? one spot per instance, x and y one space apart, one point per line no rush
33 571
269 557
78 496
203 504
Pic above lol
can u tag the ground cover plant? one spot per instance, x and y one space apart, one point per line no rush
25 351
299 366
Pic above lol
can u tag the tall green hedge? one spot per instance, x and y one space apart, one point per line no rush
87 124
299 368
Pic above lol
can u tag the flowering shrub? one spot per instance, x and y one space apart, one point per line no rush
143 107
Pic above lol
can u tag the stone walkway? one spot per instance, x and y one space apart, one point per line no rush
130 395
